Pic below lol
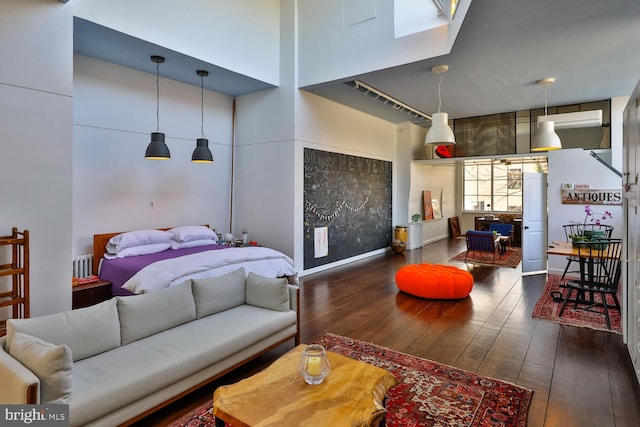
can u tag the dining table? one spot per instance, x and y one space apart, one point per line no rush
565 248
568 249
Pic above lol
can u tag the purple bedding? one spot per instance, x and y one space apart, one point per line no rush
119 270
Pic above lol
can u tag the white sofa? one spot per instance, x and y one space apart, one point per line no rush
118 360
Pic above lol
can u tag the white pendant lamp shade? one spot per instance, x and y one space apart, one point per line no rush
440 132
546 138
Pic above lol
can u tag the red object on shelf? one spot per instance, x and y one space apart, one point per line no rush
88 279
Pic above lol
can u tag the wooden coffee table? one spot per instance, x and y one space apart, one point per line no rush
352 395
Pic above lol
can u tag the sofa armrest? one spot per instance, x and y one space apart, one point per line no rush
294 296
294 304
19 385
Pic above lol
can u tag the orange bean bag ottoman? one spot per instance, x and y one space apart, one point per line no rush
434 281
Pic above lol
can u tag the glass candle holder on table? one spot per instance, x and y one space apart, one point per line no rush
314 364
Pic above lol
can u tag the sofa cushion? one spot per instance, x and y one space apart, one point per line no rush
150 313
86 331
266 292
50 363
215 294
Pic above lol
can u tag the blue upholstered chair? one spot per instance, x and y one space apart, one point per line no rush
481 241
503 230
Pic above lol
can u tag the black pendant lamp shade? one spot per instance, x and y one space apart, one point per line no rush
202 154
157 149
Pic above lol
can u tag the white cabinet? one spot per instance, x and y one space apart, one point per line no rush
415 235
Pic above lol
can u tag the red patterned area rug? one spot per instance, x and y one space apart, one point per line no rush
547 309
429 394
511 258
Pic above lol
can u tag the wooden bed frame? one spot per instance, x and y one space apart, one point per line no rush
100 245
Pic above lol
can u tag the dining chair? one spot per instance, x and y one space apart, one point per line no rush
600 271
579 230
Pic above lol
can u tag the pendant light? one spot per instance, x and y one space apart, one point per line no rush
202 154
157 149
440 132
546 138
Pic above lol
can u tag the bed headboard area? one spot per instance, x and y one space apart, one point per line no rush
100 245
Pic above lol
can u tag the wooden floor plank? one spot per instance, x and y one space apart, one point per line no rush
580 377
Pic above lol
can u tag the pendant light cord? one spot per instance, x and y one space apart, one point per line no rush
439 92
202 105
546 86
157 97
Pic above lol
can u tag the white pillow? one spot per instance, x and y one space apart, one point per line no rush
139 250
192 232
137 238
192 243
50 363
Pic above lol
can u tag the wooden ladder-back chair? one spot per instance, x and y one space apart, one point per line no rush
579 230
600 272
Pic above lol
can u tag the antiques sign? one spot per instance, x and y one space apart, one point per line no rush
587 196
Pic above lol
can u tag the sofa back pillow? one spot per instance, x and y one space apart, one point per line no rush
50 363
215 294
267 292
86 331
153 312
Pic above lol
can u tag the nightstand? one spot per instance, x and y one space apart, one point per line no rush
90 294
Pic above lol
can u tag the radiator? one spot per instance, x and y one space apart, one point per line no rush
82 265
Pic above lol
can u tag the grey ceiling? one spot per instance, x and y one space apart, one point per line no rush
592 48
100 42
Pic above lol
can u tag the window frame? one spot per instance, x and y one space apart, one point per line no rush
498 176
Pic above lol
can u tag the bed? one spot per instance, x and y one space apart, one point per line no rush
144 273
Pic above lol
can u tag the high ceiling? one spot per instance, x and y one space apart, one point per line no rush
592 48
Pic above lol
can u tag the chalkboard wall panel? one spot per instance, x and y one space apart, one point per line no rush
349 195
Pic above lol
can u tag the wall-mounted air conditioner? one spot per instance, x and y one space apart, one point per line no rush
580 119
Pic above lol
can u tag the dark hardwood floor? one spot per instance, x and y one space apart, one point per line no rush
580 377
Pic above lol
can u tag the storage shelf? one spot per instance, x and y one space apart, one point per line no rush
17 297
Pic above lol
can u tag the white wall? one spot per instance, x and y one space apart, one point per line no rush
273 128
115 187
325 125
239 35
618 104
333 47
36 142
433 177
578 167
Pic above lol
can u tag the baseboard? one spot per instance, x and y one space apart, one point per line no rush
435 239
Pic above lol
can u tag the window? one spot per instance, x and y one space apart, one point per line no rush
496 186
